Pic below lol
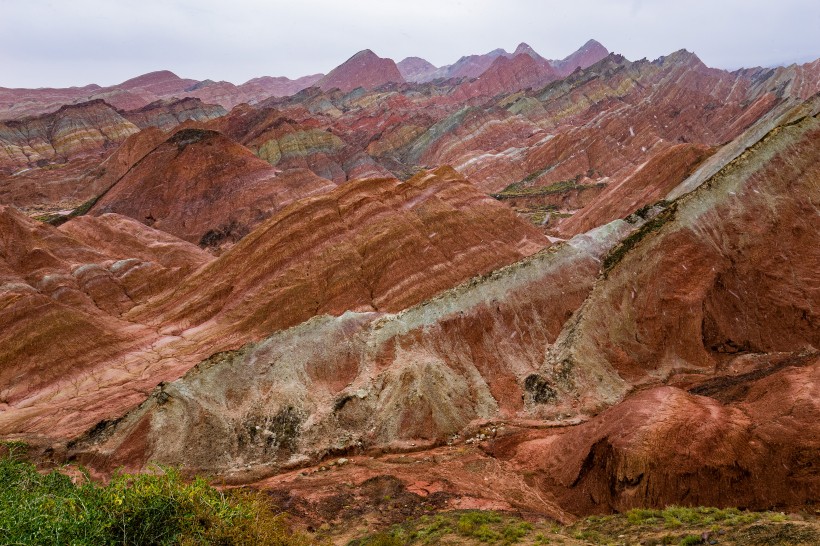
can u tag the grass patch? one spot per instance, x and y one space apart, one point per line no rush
57 219
469 527
617 254
521 189
157 509
674 525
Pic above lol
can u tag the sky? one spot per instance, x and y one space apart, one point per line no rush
59 43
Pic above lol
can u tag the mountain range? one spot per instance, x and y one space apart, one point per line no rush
553 287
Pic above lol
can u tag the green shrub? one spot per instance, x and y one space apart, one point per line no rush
156 509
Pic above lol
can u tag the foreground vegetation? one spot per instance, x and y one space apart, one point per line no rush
675 525
163 509
155 509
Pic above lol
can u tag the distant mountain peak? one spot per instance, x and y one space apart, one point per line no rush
587 55
363 54
364 69
682 56
150 78
591 43
526 49
416 69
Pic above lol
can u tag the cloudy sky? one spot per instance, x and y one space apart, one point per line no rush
62 42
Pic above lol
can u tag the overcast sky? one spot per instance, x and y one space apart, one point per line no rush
75 42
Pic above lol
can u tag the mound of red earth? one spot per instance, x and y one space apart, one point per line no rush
507 75
364 69
202 187
57 162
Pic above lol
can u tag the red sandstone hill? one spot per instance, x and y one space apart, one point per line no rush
54 138
148 88
58 162
374 244
473 66
588 54
160 83
508 75
469 66
202 187
394 245
364 69
298 143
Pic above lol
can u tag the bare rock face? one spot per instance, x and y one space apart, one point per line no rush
57 162
728 284
364 69
289 142
670 357
374 244
366 379
716 296
748 440
469 66
162 82
280 86
690 364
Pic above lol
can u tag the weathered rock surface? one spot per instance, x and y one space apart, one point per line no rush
668 358
380 230
751 442
168 113
299 142
367 245
88 128
64 293
367 379
697 336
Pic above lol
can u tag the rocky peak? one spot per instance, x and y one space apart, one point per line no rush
681 57
524 48
364 69
587 55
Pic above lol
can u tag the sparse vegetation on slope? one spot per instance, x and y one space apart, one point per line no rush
674 525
